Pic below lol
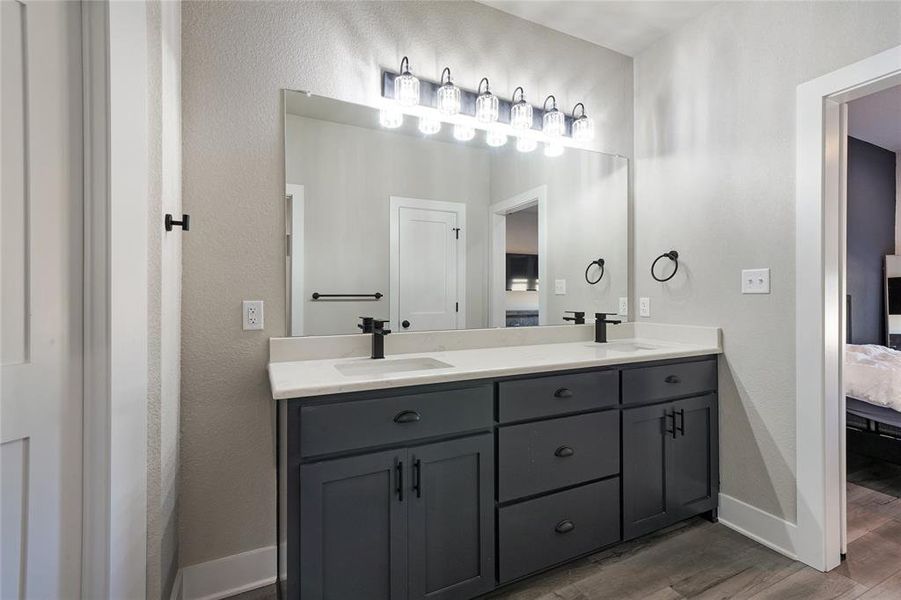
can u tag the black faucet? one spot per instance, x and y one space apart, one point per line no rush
600 326
378 338
578 316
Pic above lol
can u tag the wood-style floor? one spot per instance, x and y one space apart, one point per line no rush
697 559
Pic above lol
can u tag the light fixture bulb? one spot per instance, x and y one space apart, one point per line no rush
583 125
448 95
520 112
552 149
406 85
495 138
553 123
391 117
526 144
463 133
486 104
429 125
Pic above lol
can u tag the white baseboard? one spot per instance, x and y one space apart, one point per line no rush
771 531
227 576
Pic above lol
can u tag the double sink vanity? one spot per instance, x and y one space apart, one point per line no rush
468 460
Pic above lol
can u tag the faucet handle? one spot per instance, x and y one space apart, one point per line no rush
601 316
378 326
367 324
578 316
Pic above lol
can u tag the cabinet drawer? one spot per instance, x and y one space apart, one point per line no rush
329 428
652 384
556 395
543 532
547 455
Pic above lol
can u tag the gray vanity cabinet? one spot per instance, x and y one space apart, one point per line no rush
451 519
354 528
670 470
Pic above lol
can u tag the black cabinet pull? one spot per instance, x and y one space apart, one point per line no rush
565 526
417 478
399 470
671 415
564 451
673 379
407 416
681 427
563 393
405 324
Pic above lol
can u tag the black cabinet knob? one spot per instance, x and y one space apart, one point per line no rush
407 416
563 393
405 323
565 526
564 451
673 379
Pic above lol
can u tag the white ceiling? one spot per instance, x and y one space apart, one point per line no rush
624 26
877 119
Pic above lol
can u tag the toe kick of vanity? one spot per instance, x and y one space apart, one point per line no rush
449 491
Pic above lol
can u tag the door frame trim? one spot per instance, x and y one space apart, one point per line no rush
498 247
116 240
819 305
398 202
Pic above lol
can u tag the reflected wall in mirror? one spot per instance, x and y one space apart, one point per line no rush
893 300
431 233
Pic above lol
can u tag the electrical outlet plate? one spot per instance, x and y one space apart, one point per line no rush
755 281
644 307
624 307
252 311
559 287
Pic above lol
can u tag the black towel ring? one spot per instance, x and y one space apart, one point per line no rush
673 256
599 262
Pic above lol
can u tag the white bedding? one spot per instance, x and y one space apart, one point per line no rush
873 374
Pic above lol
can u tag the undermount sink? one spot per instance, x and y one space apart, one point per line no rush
628 346
390 365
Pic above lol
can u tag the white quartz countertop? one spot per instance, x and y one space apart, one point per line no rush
304 378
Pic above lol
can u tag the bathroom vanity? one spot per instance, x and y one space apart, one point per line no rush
469 481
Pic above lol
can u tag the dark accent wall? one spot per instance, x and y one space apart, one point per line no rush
871 235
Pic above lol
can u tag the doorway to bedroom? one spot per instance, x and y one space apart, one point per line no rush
872 369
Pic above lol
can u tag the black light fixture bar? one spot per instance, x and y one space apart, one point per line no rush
428 95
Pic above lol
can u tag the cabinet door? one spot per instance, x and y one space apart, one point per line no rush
353 522
646 479
451 519
693 457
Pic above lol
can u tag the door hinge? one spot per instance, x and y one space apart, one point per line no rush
457 233
456 307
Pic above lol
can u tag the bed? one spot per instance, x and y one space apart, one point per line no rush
872 377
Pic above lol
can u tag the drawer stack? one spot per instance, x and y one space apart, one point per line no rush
558 472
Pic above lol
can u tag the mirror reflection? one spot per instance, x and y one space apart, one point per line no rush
429 232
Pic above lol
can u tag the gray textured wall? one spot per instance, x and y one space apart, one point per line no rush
715 179
871 236
237 56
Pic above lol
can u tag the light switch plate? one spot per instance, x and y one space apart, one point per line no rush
252 312
755 281
560 287
624 307
644 307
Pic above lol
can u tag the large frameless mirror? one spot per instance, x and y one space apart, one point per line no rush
433 233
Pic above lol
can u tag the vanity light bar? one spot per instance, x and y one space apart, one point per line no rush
428 97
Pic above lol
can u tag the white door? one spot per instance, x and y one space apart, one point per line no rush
41 280
427 244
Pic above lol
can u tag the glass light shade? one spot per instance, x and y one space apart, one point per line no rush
526 144
521 115
551 149
429 125
487 108
448 99
406 89
553 123
495 138
391 118
463 133
583 129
